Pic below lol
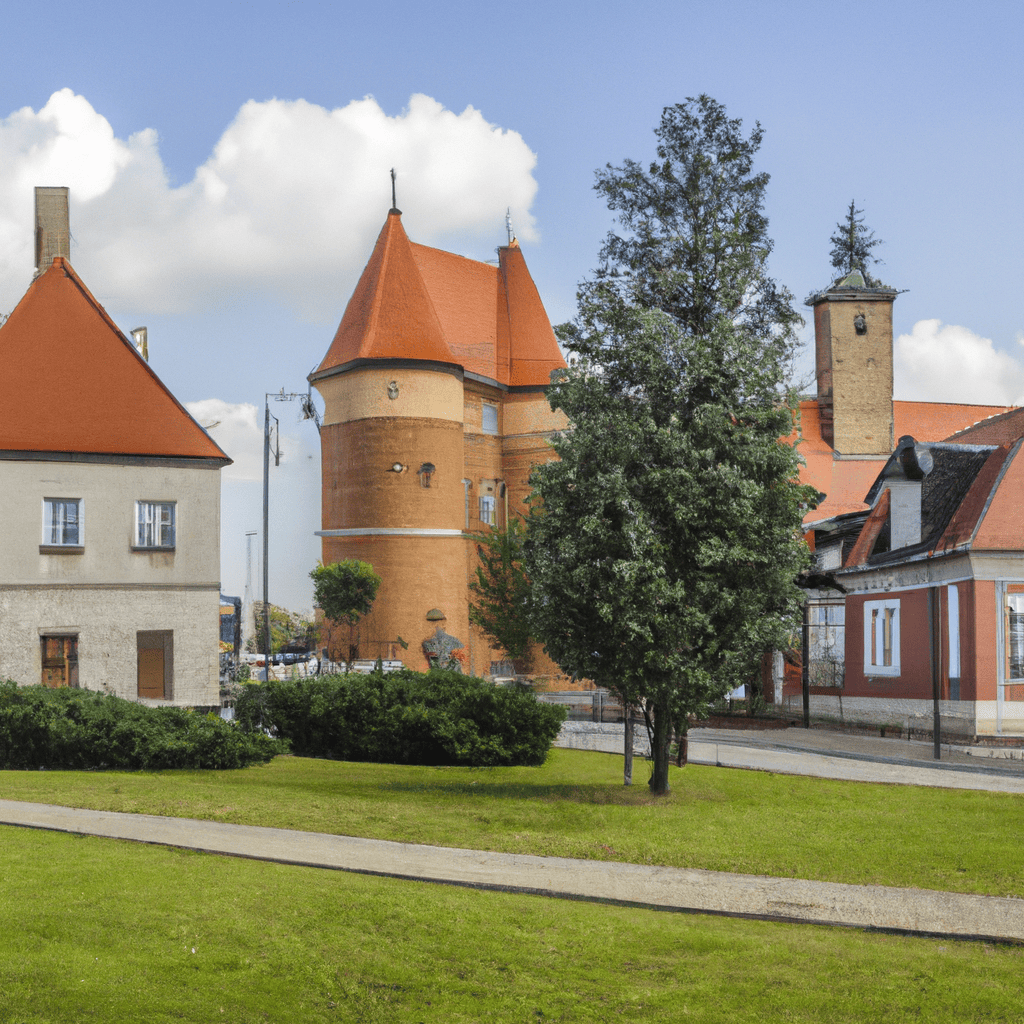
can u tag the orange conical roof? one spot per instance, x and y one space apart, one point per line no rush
74 383
533 350
390 314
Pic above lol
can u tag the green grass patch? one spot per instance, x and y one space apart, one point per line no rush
575 806
106 931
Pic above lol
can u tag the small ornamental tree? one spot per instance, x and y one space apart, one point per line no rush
500 589
852 244
345 592
666 537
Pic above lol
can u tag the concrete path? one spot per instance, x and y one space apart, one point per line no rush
875 907
853 757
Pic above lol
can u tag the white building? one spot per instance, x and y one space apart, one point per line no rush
109 503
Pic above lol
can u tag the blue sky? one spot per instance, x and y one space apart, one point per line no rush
228 165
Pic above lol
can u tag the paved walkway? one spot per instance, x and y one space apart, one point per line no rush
792 751
855 757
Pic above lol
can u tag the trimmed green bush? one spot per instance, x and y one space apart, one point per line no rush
436 718
80 729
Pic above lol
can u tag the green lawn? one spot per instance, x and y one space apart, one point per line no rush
109 932
576 806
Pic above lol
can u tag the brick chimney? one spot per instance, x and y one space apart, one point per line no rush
53 230
853 364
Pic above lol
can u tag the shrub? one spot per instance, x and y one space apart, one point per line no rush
79 729
436 718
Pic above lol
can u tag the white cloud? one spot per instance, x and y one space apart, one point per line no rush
946 363
288 203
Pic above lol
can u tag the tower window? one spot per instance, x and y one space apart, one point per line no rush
488 418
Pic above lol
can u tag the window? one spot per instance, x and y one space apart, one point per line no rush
60 661
882 638
1014 631
827 640
154 524
62 522
487 509
155 662
488 418
953 610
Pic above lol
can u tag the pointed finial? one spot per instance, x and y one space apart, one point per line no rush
508 225
394 202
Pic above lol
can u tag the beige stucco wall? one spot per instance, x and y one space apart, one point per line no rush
108 592
106 621
364 393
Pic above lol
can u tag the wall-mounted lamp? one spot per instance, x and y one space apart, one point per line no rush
396 467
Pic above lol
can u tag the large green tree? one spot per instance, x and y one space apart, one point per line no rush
666 537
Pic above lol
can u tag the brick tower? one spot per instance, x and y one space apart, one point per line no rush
434 415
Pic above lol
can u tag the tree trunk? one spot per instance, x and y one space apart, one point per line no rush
682 744
627 749
661 741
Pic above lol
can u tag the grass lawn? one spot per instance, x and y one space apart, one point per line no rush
576 806
105 931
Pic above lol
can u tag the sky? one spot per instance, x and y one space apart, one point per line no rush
229 172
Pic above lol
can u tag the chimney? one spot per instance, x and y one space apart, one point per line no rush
53 230
910 464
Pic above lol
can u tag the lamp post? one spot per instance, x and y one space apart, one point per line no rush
308 413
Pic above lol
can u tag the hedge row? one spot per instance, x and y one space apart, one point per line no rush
437 718
76 729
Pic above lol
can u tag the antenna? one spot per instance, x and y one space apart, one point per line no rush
508 225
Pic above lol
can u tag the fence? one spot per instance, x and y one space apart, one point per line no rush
587 705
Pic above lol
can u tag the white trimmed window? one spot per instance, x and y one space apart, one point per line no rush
487 509
882 638
62 522
1013 630
488 418
154 524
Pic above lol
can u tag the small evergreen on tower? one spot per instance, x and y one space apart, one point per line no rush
852 244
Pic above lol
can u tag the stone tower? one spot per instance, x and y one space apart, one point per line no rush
853 365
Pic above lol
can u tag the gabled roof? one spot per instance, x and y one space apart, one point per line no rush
416 302
998 428
74 383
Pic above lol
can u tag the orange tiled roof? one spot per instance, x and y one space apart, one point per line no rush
74 383
416 302
1000 428
936 421
846 481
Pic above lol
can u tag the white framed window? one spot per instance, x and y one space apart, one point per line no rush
154 524
488 418
882 638
487 509
62 523
1013 632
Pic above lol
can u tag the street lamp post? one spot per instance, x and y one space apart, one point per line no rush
308 412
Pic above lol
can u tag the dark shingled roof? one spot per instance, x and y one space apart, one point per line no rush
943 490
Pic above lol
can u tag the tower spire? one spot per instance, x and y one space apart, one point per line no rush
394 201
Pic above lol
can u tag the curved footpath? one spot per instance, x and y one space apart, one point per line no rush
863 906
